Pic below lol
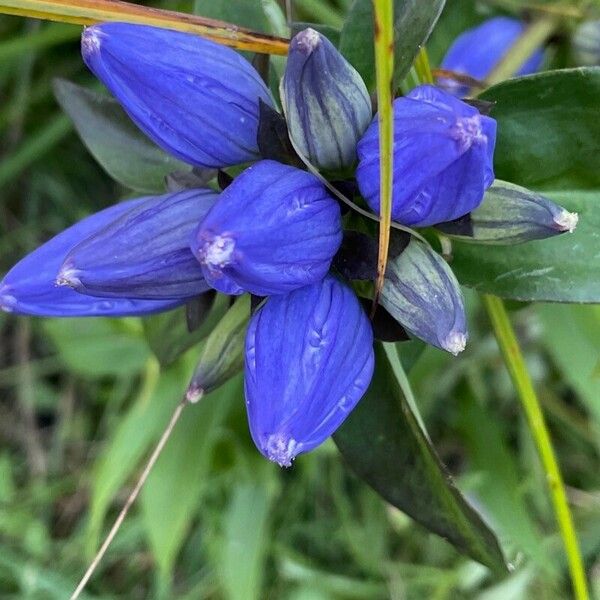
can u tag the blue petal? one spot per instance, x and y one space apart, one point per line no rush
478 50
443 158
145 253
196 99
274 229
29 287
309 360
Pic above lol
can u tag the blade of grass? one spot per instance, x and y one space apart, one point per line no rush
383 13
513 357
88 12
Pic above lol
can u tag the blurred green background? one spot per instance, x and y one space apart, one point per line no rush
82 402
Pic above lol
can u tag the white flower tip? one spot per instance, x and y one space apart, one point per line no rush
91 40
455 343
308 40
68 276
7 301
566 221
194 394
280 449
217 252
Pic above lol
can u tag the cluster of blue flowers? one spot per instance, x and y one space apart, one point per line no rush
275 230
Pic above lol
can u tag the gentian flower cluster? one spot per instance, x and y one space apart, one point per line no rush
275 231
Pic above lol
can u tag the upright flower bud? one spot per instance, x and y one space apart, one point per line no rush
143 254
443 158
325 101
586 43
274 229
29 287
511 214
477 51
309 360
196 99
422 294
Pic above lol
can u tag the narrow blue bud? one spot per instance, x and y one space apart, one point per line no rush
443 158
511 214
196 99
144 253
309 360
325 100
29 287
274 229
422 294
477 51
586 43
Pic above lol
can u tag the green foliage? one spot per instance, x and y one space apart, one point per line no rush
560 269
413 22
114 141
384 444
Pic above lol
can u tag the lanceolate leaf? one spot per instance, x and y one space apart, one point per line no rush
87 12
548 129
383 443
116 143
560 269
413 22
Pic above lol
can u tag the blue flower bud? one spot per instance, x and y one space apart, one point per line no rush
511 214
309 360
29 287
422 294
443 158
325 100
274 229
143 254
586 44
477 51
196 99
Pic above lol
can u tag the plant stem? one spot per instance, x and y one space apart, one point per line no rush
517 369
383 13
532 38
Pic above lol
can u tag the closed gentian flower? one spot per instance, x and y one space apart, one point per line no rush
325 101
144 253
510 214
477 51
29 287
274 229
196 99
443 158
422 294
308 361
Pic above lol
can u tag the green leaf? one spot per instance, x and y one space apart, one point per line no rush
548 129
383 443
115 142
246 538
136 431
570 335
413 22
99 347
170 498
561 269
223 353
498 483
168 335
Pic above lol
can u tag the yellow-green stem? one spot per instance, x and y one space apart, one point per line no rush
519 374
383 12
423 67
532 38
87 12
